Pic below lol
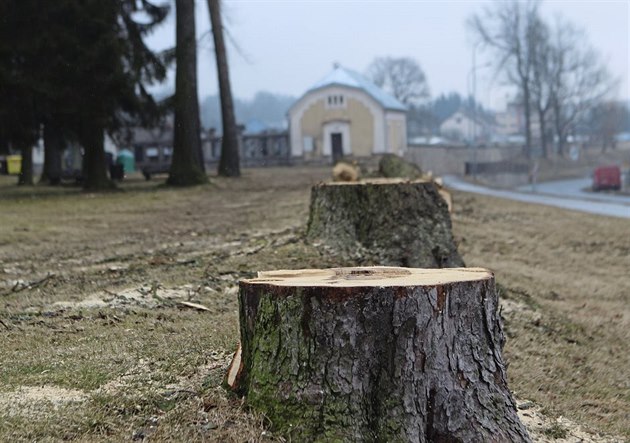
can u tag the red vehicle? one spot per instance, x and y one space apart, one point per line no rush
607 177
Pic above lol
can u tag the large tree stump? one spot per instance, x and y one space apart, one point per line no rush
376 354
397 222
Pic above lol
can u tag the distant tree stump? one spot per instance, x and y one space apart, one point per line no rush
376 354
399 222
392 166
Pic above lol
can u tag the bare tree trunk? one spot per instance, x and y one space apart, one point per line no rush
543 133
94 161
528 120
229 163
558 129
187 164
26 173
53 150
376 354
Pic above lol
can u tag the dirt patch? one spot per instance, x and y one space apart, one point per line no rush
143 296
545 429
33 401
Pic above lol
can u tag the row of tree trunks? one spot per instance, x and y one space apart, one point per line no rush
376 354
187 167
53 150
94 162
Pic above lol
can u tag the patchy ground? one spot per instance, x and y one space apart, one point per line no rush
102 338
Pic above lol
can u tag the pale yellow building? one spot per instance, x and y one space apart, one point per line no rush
345 114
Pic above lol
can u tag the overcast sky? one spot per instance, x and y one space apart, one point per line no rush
286 46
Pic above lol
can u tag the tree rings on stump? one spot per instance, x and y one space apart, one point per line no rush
376 354
397 222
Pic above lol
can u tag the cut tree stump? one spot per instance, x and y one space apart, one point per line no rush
376 354
391 166
396 222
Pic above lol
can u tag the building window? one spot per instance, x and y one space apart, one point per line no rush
336 101
153 155
167 153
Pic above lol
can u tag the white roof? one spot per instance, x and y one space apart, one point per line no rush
341 76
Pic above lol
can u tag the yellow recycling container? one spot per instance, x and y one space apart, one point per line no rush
14 164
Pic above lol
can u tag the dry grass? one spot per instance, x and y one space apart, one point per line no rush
102 350
569 349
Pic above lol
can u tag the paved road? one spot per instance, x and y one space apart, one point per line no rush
611 206
575 188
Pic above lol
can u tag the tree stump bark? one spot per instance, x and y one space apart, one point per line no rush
397 222
376 354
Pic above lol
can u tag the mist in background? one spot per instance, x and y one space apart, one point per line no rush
284 47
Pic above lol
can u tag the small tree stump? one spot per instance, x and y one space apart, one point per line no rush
391 165
376 354
398 222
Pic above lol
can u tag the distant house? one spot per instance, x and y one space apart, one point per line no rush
344 114
511 123
463 126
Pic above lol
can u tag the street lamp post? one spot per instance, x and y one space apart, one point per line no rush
474 103
473 74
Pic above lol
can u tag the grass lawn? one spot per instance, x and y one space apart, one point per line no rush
95 343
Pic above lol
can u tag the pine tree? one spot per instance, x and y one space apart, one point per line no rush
79 68
229 163
18 113
187 165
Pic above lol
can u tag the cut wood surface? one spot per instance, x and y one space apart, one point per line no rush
194 306
397 222
376 354
234 370
345 172
369 276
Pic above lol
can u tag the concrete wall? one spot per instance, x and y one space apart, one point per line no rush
442 160
396 132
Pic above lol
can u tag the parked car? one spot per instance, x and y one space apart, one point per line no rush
153 159
607 177
153 169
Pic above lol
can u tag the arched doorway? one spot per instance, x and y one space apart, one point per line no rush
337 139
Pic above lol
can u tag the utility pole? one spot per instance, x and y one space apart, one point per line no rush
473 73
474 103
